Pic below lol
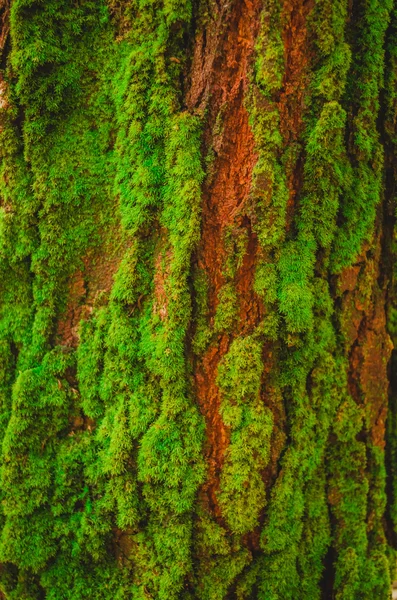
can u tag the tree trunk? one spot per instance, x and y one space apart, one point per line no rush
198 304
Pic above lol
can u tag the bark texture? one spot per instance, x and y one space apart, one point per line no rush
198 301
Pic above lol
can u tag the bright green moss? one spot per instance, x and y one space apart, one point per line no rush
294 294
266 282
221 559
72 164
202 333
225 316
103 444
288 517
269 186
242 491
362 198
40 403
327 174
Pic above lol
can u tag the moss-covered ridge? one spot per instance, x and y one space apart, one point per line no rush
102 173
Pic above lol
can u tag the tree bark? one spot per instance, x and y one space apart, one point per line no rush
198 303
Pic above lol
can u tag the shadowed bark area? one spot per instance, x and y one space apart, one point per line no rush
198 299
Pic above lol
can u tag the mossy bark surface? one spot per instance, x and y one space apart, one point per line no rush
198 299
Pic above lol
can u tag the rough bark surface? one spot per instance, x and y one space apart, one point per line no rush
198 307
219 83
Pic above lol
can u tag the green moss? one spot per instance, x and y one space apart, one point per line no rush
327 173
103 444
74 96
362 198
294 294
225 316
242 490
202 333
221 558
316 537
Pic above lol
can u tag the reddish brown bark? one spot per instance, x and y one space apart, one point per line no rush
220 71
370 347
4 22
161 269
84 287
294 91
220 77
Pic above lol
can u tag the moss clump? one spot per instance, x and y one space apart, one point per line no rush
242 490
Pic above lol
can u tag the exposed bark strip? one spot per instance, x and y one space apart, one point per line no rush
295 88
4 22
364 323
291 103
84 288
220 78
